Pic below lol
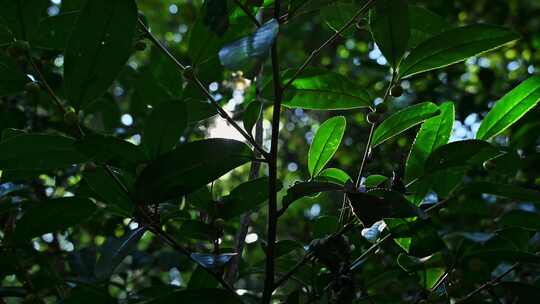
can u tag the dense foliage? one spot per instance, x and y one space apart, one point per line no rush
248 151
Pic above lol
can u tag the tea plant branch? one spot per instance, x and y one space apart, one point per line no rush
272 171
192 77
245 219
330 40
248 13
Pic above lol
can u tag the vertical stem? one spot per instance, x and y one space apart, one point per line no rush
272 171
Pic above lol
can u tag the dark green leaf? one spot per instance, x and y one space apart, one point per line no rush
216 16
498 255
434 133
284 247
12 80
199 110
53 32
335 175
389 24
424 24
303 189
520 218
325 144
504 190
243 54
98 48
201 279
453 46
375 180
251 115
38 152
193 229
22 16
110 150
319 89
199 296
403 120
464 153
107 189
164 127
189 167
114 251
53 215
510 108
246 197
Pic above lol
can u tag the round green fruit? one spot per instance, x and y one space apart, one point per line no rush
396 91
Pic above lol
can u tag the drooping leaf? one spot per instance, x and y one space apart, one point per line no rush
453 46
325 144
53 215
38 152
243 54
99 46
12 80
403 120
424 24
302 189
334 174
434 133
510 108
164 127
319 89
389 25
53 32
114 251
374 206
110 150
464 153
189 167
375 180
246 197
504 190
106 187
200 296
252 114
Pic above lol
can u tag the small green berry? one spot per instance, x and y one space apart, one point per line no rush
396 91
71 118
381 108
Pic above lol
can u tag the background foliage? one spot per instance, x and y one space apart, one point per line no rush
94 206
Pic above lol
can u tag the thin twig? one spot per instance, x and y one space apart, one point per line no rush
330 40
195 80
248 13
488 284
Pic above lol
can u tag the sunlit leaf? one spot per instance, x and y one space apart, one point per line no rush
325 143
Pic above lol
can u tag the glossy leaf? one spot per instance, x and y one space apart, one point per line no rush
424 24
402 121
244 53
303 189
38 152
110 150
375 180
389 24
189 167
53 215
53 32
22 17
251 115
325 144
504 190
12 80
246 197
510 108
164 127
114 251
319 89
454 46
98 48
464 153
335 175
107 189
434 133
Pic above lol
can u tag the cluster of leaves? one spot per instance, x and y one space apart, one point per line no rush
154 210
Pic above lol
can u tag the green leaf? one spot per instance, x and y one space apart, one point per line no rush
201 279
498 255
199 110
216 16
338 14
194 229
246 197
114 251
302 189
189 167
319 89
335 175
246 52
424 24
453 46
108 190
389 24
375 180
98 48
252 114
504 190
520 218
164 127
110 150
403 120
325 144
53 215
22 16
284 247
510 108
464 153
38 152
12 80
434 133
199 296
53 32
